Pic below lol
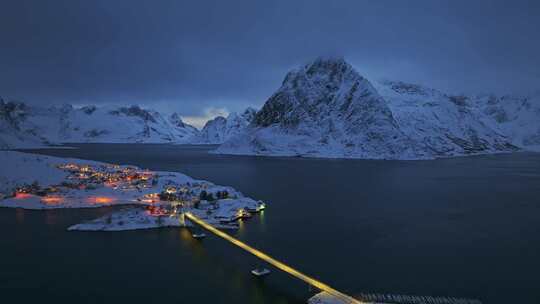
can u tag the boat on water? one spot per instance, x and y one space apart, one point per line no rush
198 236
260 207
260 272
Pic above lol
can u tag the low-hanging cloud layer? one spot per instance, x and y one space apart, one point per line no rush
196 56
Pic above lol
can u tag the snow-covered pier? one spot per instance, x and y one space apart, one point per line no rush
329 295
405 299
327 298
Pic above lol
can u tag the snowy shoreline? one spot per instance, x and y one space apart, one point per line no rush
347 158
151 199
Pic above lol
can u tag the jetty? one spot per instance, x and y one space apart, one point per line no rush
342 297
270 260
407 299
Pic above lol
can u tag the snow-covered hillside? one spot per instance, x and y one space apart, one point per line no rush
516 117
220 129
446 125
327 109
24 126
12 132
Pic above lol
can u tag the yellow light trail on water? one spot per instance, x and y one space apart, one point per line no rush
272 261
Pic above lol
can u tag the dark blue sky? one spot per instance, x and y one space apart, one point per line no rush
193 55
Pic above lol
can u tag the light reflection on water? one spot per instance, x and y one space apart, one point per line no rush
261 221
241 231
51 218
191 243
19 214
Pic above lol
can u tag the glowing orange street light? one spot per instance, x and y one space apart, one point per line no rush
22 195
101 200
52 200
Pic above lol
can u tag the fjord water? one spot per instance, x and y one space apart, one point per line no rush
466 227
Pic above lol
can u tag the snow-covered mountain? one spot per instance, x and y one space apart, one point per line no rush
12 133
327 109
24 126
446 125
220 129
322 109
516 117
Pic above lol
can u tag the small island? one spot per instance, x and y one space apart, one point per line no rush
151 199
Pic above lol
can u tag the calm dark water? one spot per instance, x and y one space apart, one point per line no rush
466 227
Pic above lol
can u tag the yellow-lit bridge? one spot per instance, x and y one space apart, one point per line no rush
263 256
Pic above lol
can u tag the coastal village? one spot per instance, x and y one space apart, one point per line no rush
152 199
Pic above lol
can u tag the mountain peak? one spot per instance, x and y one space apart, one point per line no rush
327 109
323 69
327 65
312 91
328 62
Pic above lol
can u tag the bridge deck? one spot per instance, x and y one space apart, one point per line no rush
263 256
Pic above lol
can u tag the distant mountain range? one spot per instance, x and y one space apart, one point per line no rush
327 109
25 126
322 109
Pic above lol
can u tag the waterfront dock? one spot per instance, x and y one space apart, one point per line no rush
342 297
